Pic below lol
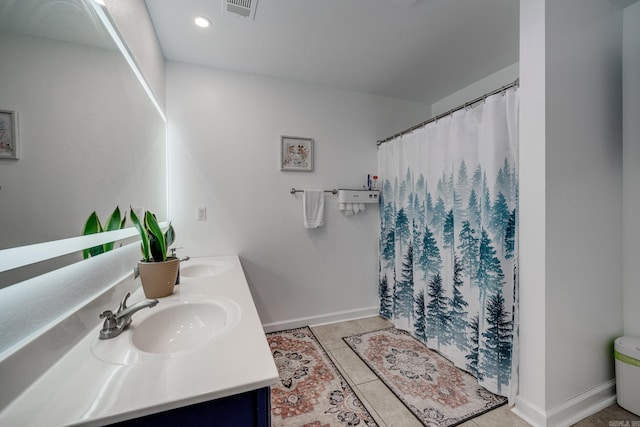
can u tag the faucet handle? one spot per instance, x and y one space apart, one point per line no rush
110 323
123 303
173 251
108 314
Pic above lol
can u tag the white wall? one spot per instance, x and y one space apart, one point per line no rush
571 278
134 24
532 210
224 135
477 89
631 168
583 195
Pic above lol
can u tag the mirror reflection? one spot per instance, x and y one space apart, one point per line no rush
89 137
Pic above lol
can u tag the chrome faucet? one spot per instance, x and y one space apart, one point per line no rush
114 324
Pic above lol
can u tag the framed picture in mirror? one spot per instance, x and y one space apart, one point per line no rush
8 135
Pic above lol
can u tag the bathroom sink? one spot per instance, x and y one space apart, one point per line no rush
198 268
180 327
171 329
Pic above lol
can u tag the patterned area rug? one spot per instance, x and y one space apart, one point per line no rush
435 391
311 392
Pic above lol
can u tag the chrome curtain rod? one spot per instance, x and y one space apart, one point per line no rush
438 117
294 191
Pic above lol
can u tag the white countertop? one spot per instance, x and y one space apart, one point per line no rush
83 389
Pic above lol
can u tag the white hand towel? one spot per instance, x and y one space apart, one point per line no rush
362 205
313 208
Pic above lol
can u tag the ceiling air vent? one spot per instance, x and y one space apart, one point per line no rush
244 8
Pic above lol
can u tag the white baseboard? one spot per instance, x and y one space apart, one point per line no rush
583 405
340 316
569 412
529 412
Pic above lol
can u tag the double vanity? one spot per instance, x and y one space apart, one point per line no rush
199 355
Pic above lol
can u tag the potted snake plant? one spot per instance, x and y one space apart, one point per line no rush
158 272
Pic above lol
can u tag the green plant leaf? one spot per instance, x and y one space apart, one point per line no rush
92 226
155 248
113 223
144 237
157 245
169 236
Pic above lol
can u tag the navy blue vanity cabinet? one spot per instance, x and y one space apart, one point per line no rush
249 409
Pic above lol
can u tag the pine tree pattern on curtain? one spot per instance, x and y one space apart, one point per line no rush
448 238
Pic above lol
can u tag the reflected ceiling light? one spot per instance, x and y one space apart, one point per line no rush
202 22
100 2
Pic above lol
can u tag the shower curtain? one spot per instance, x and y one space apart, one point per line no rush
448 270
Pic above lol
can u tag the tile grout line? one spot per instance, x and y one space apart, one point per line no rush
370 381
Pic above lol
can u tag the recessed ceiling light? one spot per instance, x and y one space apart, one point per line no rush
202 22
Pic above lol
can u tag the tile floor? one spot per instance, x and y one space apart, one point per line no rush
388 411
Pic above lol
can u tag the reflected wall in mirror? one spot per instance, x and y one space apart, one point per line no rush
90 136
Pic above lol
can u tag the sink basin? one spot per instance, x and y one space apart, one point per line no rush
205 268
171 330
180 327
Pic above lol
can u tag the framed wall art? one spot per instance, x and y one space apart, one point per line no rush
296 154
8 135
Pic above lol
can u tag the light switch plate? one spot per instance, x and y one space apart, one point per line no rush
201 213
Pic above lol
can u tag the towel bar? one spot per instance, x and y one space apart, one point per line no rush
294 191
